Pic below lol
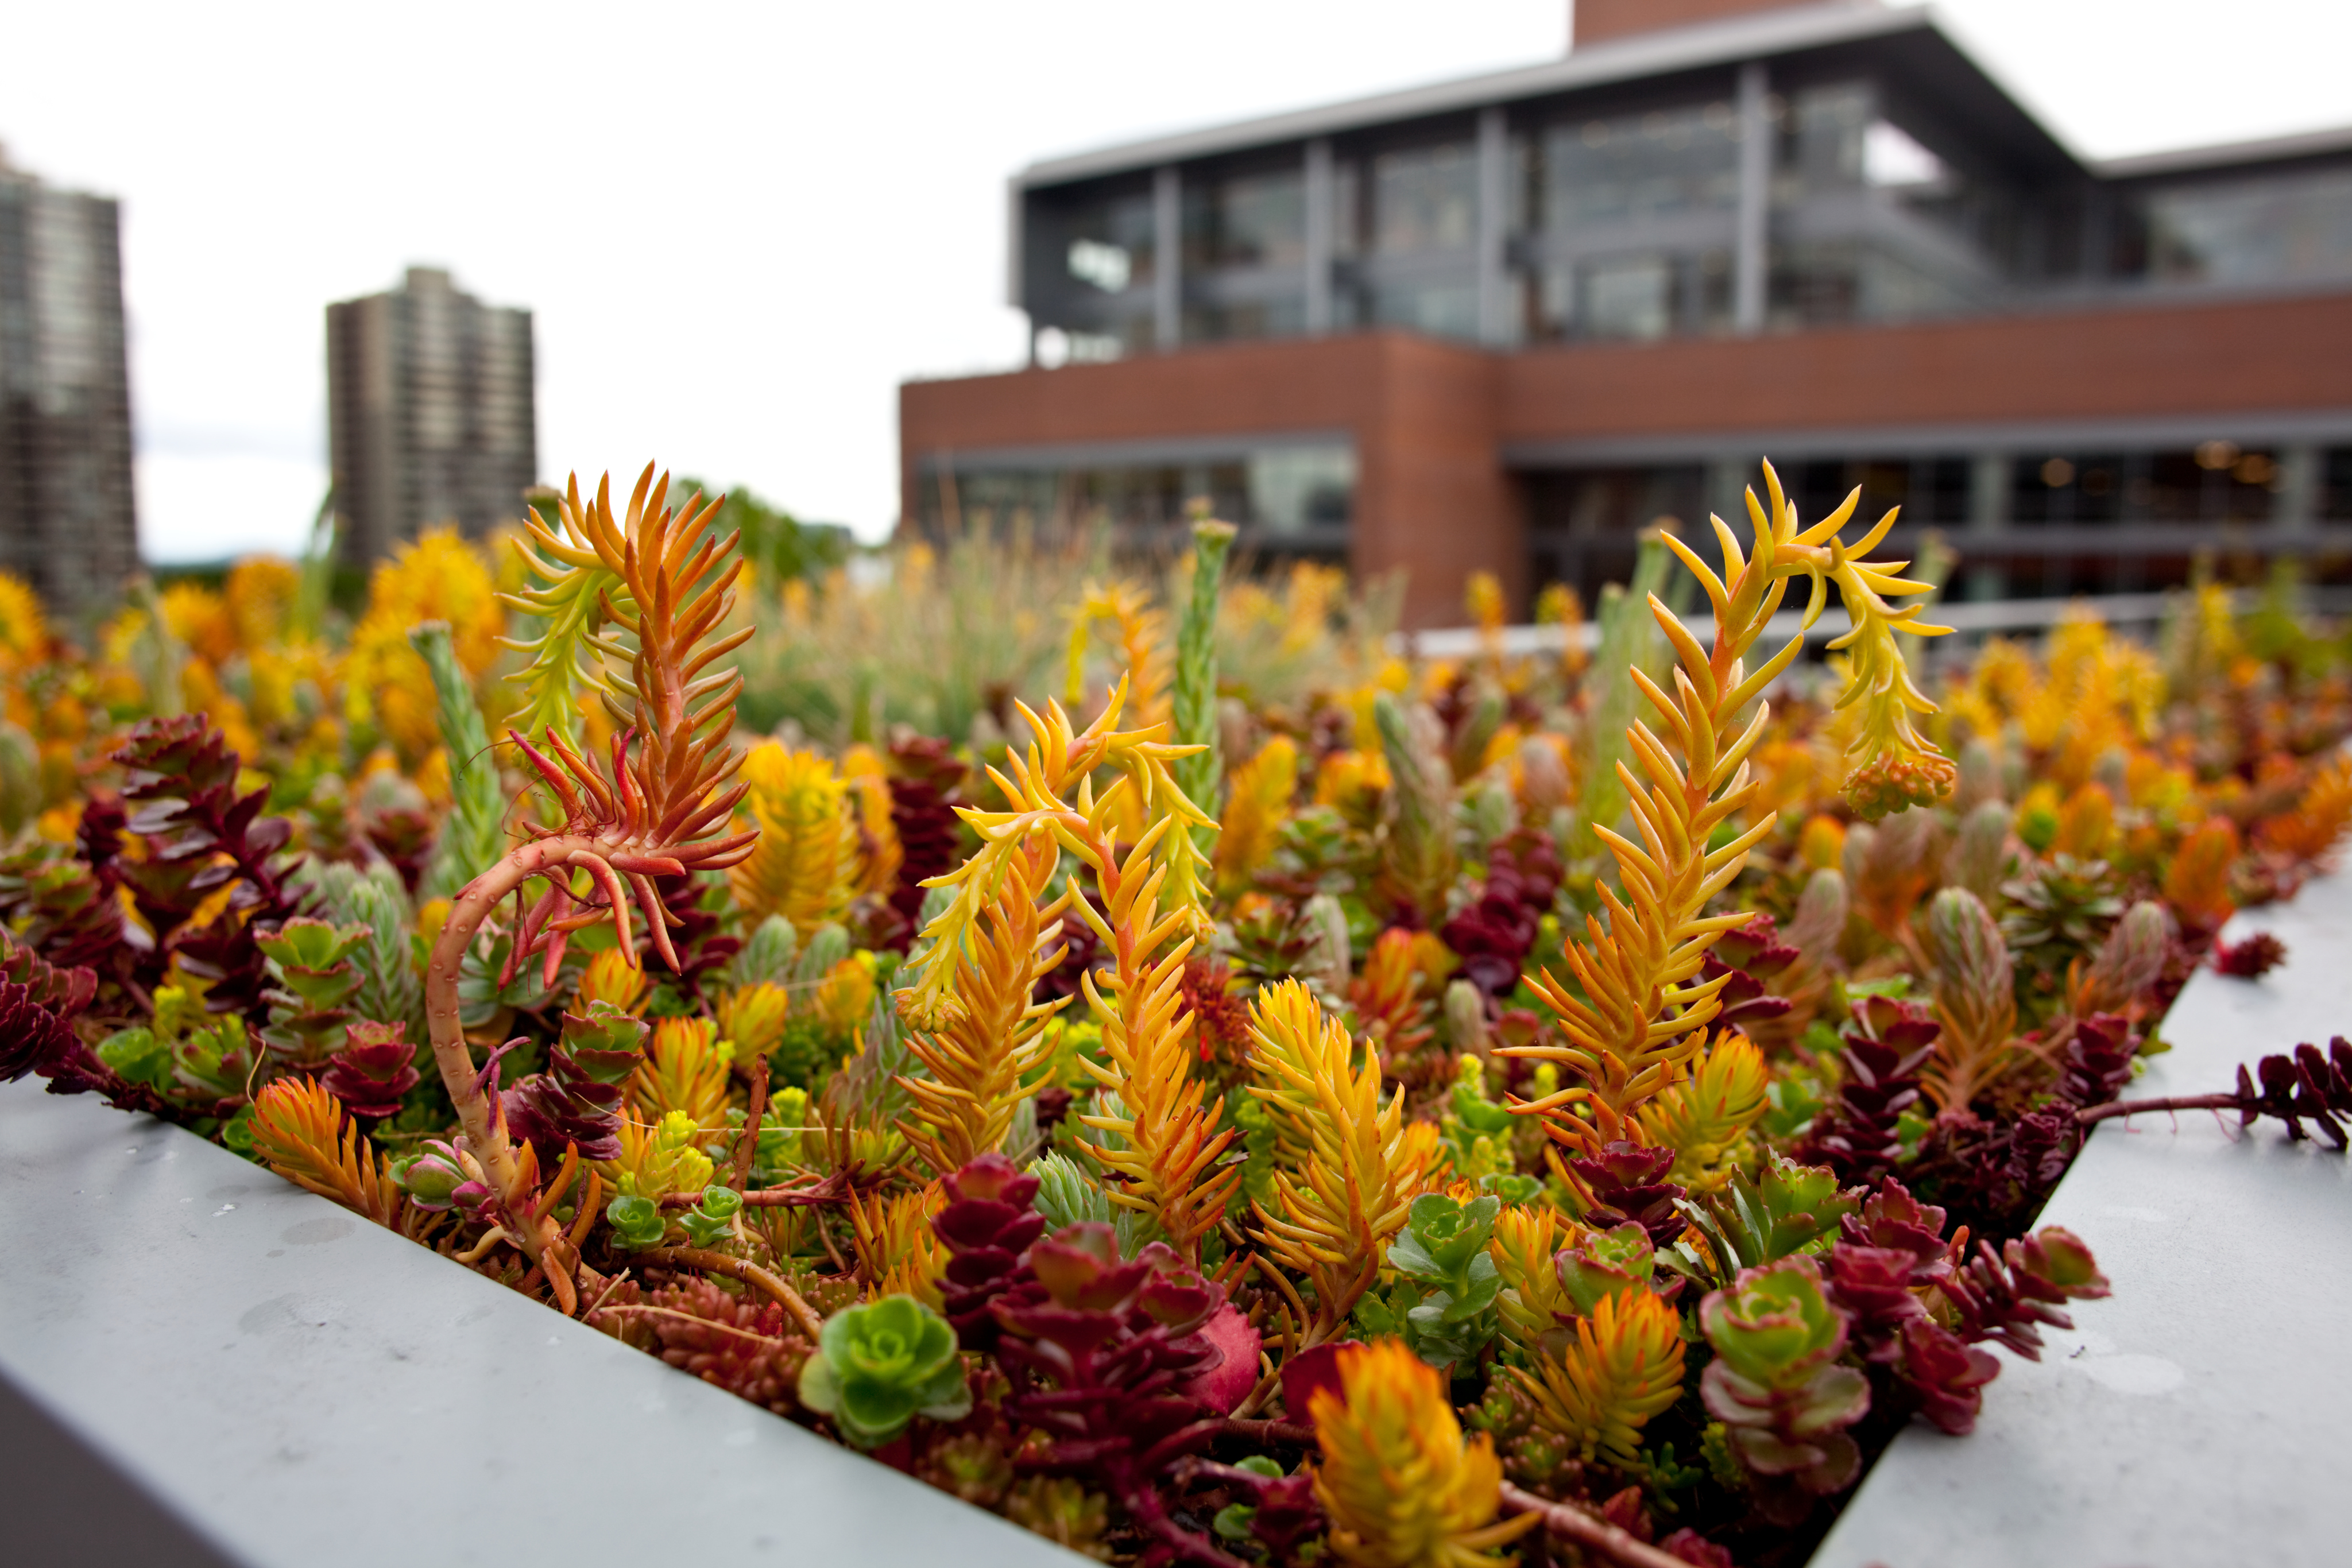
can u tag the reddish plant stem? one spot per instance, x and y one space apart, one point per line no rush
1267 1431
1595 1534
751 1274
748 1141
2180 1102
545 857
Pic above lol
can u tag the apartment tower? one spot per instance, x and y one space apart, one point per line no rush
429 395
67 521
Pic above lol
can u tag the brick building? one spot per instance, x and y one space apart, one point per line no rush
67 524
431 412
1503 323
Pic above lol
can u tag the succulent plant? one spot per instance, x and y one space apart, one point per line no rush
311 962
1776 1382
373 1070
880 1365
577 1101
1443 1246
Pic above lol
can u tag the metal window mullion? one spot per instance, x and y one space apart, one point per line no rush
1167 256
1319 203
1494 219
1750 255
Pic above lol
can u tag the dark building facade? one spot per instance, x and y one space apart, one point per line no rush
1504 323
68 523
430 405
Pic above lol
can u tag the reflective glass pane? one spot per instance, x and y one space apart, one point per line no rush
1246 220
1639 165
2258 231
1424 198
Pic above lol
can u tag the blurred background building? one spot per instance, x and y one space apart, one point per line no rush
430 411
67 521
1503 323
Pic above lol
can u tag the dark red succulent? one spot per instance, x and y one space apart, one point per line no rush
32 1038
374 1068
1100 1354
1494 933
1889 1042
925 780
988 1226
578 1099
2098 1060
1626 1182
1751 955
1945 1375
200 836
2250 960
2009 1295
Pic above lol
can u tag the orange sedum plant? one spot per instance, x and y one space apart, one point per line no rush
1633 1011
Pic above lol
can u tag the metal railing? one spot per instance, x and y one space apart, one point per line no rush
1971 620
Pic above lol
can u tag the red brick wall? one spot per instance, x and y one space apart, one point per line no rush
1428 418
2199 359
1595 21
1430 495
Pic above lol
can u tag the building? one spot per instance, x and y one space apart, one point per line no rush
67 524
429 398
1502 323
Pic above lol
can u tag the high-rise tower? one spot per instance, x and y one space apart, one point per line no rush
67 521
429 394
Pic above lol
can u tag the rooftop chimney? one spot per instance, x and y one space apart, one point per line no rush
1601 21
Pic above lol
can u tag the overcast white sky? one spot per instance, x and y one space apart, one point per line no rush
742 225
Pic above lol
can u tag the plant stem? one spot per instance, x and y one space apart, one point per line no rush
450 1052
1587 1531
749 1143
1267 1431
751 1274
2181 1103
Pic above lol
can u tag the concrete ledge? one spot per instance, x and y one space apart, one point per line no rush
2202 1413
201 1365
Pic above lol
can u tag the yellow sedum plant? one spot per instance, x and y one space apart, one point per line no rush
1356 1170
1623 1367
1633 1011
1402 1487
805 865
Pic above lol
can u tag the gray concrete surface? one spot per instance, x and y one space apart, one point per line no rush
2201 1416
201 1365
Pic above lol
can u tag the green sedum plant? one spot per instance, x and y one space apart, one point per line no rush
880 1365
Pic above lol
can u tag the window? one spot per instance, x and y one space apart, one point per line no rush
1090 255
2217 482
1247 220
2284 229
1286 498
1423 199
1636 166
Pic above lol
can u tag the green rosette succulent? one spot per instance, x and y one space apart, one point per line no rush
1776 1383
879 1365
1605 1263
1443 1247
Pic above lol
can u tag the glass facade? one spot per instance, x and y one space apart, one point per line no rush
1619 217
1091 257
1288 499
1630 222
2239 233
1245 253
2026 524
2216 482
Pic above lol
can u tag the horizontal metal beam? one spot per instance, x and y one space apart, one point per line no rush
1981 618
1160 452
1956 439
